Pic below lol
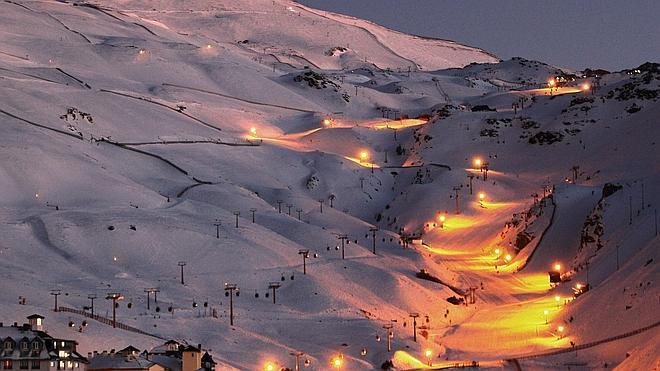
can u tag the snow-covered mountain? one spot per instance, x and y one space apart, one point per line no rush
232 135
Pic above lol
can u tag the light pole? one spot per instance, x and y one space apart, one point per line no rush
297 355
217 225
545 312
414 317
289 206
457 196
429 357
471 177
92 297
343 238
182 264
299 210
279 206
237 214
253 210
321 205
373 231
56 293
390 335
274 286
305 255
115 297
229 291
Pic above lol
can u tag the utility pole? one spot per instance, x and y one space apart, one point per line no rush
471 177
56 293
414 317
390 335
575 169
148 291
237 214
253 210
343 238
297 355
373 231
229 291
332 199
321 205
457 196
617 257
362 183
92 297
484 169
156 291
305 255
217 225
289 206
630 208
299 210
279 206
114 296
182 264
274 286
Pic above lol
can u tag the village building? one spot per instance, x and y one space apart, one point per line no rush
29 347
170 356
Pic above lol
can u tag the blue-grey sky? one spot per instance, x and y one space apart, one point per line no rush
610 34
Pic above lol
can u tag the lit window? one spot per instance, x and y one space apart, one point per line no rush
8 364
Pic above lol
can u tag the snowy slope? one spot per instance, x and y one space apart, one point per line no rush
126 134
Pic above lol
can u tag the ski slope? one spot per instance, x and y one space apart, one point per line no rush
134 136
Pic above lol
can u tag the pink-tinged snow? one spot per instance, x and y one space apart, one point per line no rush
191 58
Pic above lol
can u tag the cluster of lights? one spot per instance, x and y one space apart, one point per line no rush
364 155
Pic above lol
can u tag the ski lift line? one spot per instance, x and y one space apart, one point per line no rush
40 125
33 76
162 105
84 84
99 9
240 99
15 56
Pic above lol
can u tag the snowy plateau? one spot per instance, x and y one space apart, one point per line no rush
330 186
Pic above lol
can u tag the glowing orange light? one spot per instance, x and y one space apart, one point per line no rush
428 353
253 131
545 311
477 162
497 252
578 286
327 122
557 298
508 257
551 82
557 267
442 218
337 362
208 46
142 51
269 366
364 155
586 86
482 196
560 328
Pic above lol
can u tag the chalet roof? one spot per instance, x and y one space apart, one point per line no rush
117 361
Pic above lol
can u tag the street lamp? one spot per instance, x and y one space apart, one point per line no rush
253 131
337 361
269 366
429 355
545 312
477 163
364 155
557 267
497 252
508 257
327 122
114 296
560 329
442 219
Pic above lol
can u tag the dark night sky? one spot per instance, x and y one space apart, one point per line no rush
610 34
